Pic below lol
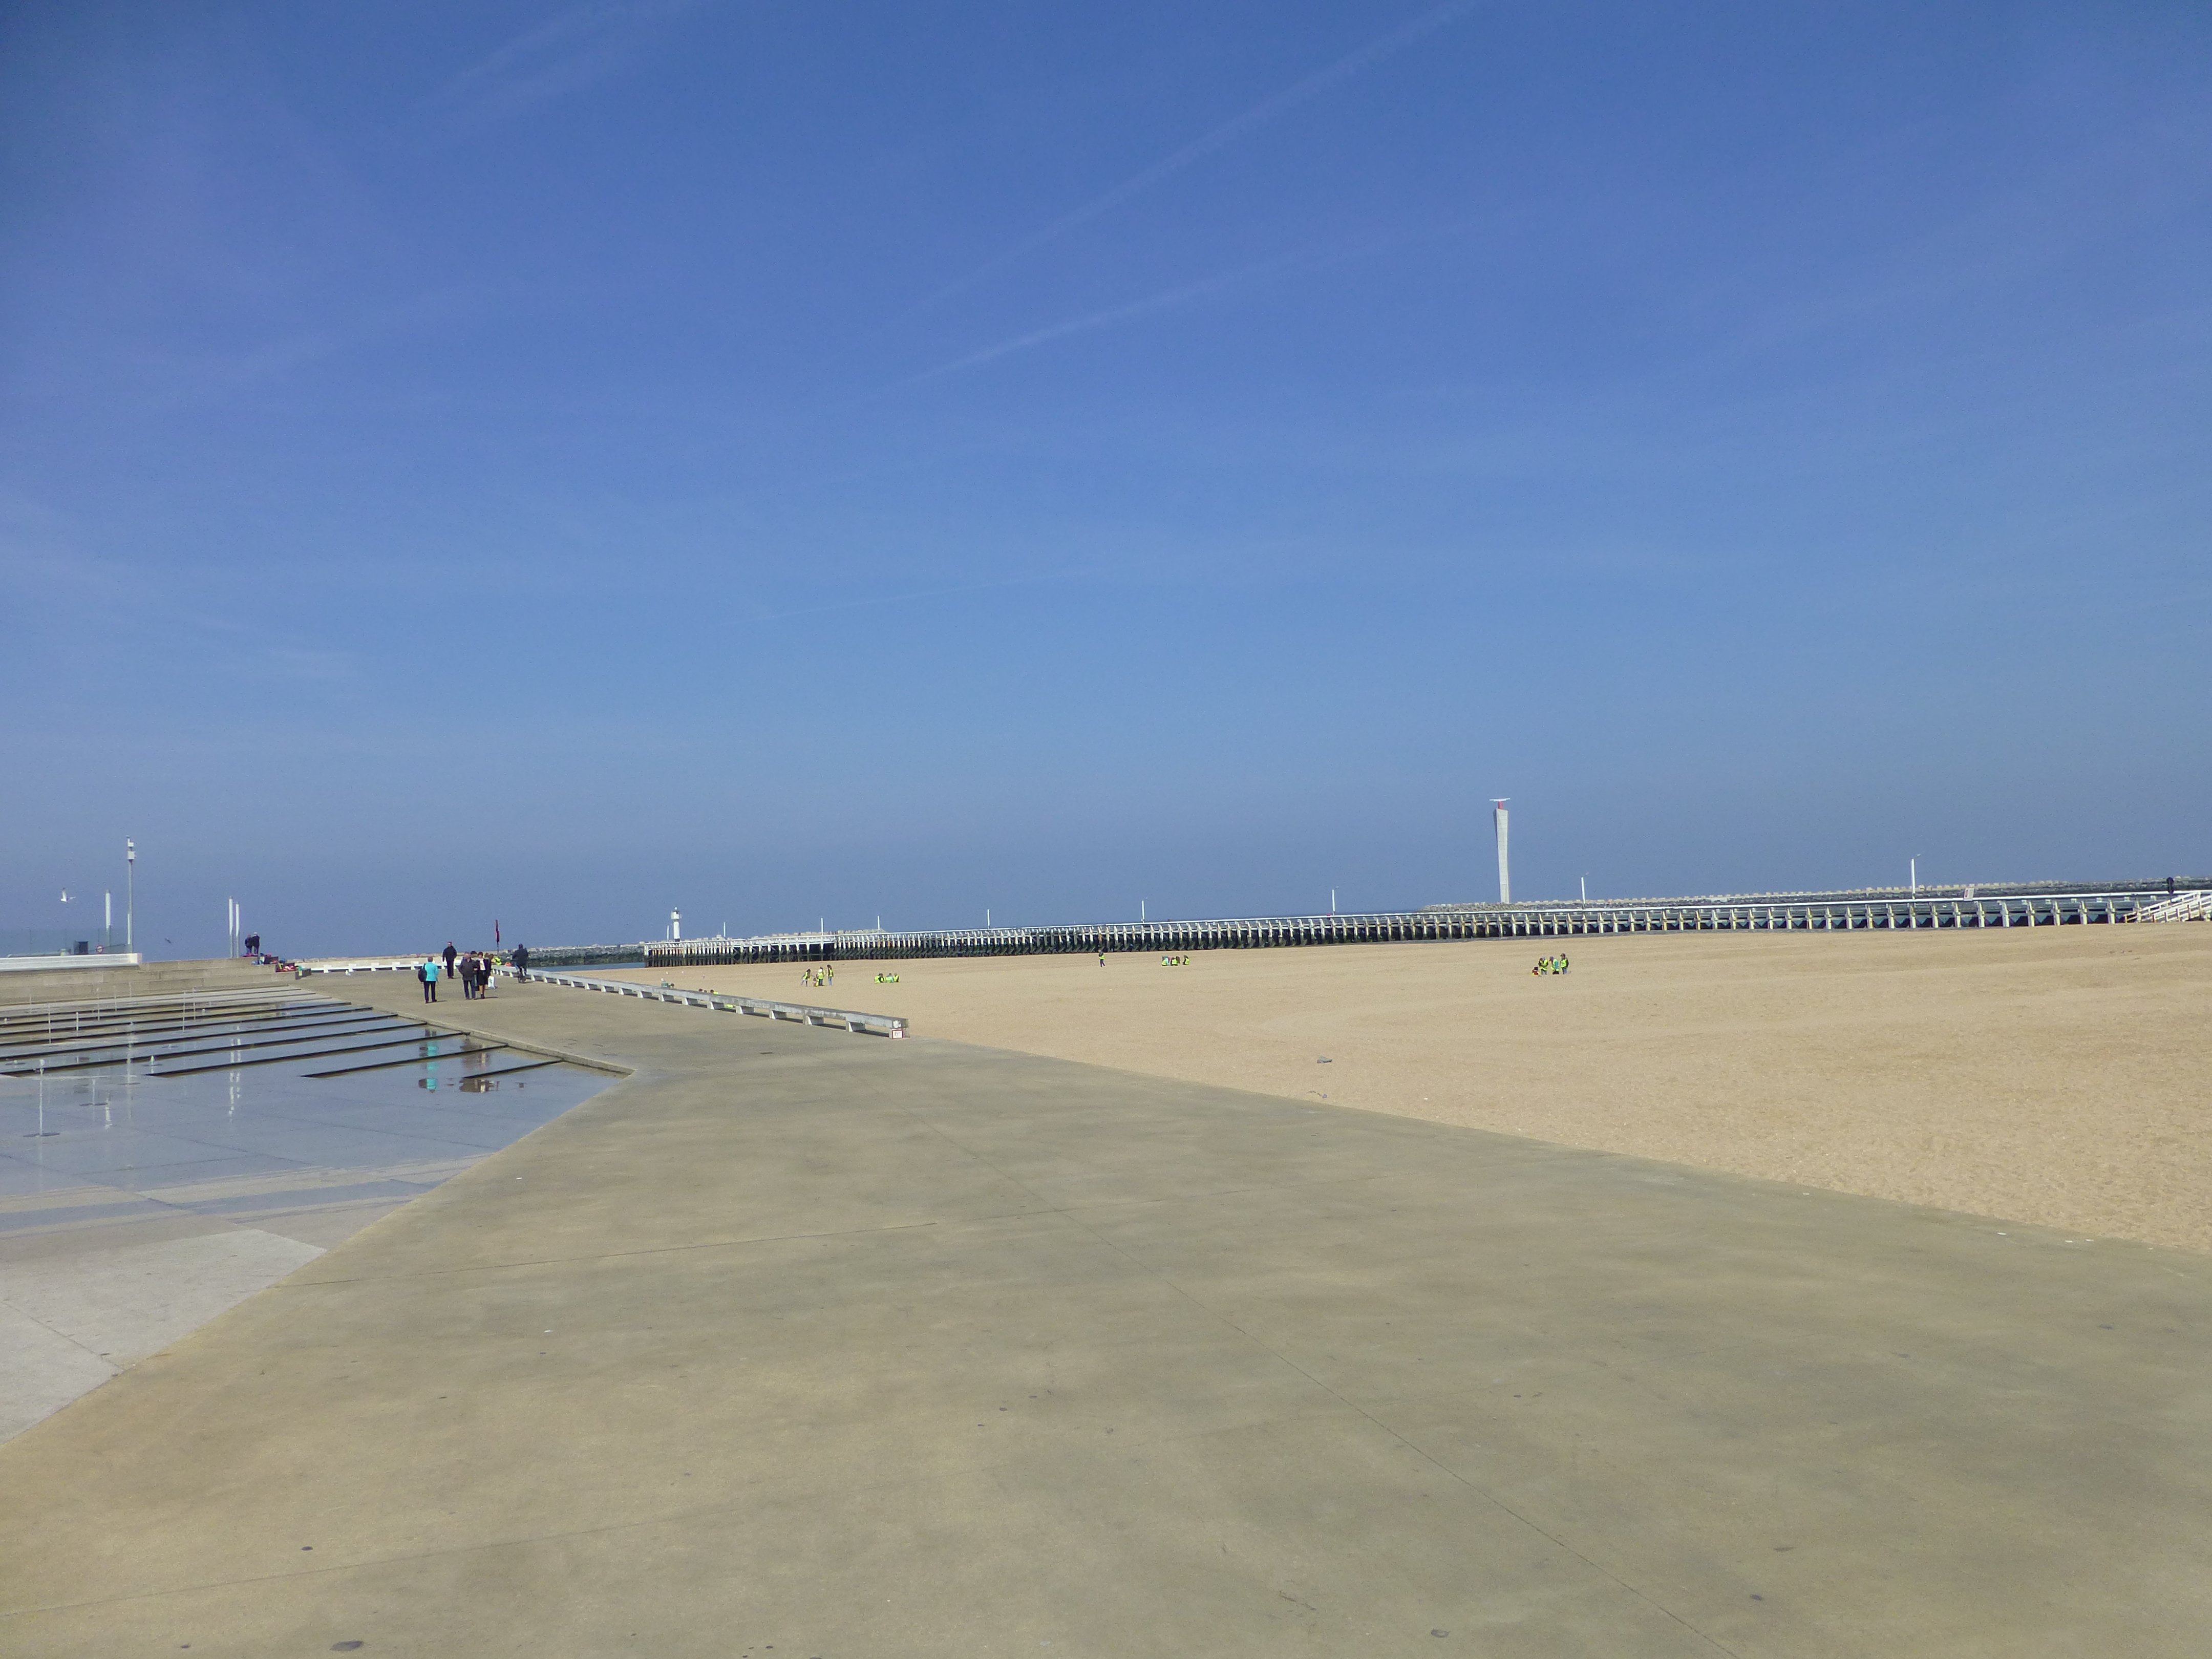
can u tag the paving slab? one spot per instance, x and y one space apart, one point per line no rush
852 1346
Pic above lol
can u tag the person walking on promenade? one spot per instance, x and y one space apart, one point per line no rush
469 977
430 979
449 953
522 958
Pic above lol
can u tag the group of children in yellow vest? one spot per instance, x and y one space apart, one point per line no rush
1550 965
826 975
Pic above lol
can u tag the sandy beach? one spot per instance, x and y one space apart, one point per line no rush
2057 1076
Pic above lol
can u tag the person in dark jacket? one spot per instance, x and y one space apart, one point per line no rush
522 958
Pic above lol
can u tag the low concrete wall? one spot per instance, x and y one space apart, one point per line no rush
70 961
149 980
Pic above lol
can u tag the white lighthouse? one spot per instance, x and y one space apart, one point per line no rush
676 924
1504 871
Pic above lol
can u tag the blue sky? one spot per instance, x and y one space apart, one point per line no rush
557 462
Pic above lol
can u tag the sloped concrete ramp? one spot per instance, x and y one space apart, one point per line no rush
801 1341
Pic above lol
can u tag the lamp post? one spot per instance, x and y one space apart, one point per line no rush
130 891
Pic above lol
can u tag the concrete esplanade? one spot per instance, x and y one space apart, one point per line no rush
2022 905
786 1345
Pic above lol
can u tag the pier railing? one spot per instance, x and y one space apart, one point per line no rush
1878 912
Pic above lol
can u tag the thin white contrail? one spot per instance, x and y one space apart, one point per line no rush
572 49
1126 312
919 595
1229 132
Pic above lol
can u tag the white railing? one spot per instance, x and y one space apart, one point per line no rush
2182 907
724 1002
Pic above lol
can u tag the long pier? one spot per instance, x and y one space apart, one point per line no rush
2037 905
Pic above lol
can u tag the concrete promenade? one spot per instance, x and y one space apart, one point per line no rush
828 1346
